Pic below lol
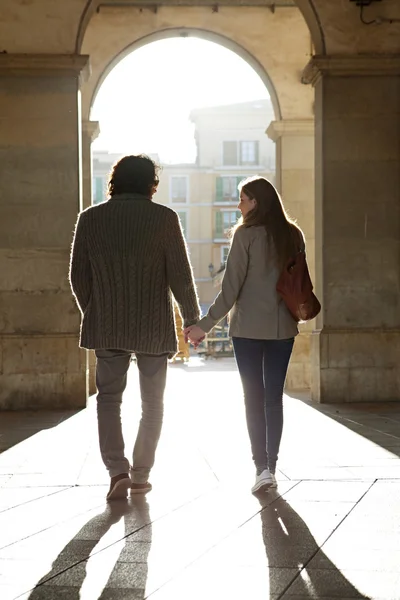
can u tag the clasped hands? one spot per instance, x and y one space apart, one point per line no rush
194 334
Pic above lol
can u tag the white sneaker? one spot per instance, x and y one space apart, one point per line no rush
274 482
263 482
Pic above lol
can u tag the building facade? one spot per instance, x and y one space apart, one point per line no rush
231 145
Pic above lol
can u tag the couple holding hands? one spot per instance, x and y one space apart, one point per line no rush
128 255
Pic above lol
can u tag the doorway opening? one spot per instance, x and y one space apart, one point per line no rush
201 111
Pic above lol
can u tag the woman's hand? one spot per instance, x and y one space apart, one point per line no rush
194 334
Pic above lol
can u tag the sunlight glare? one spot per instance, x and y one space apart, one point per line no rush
101 565
144 103
281 523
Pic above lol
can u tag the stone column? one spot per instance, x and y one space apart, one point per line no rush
41 365
294 140
90 131
356 347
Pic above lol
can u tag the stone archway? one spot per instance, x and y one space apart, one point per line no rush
277 57
360 314
175 32
356 77
278 66
307 8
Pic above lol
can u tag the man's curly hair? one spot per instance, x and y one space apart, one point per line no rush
133 175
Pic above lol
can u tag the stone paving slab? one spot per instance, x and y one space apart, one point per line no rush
364 558
377 585
11 497
331 530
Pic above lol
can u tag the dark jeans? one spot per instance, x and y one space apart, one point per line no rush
262 367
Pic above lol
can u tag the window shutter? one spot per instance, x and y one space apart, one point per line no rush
238 180
219 224
219 196
230 153
179 189
256 158
174 192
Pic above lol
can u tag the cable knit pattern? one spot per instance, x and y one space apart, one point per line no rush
128 255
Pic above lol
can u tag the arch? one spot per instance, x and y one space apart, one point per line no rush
311 17
199 33
307 8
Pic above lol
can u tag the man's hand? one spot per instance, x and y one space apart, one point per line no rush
194 334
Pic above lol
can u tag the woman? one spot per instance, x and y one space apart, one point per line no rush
261 327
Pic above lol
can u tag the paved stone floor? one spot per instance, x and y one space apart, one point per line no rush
331 530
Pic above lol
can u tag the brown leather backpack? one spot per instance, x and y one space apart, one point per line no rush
296 289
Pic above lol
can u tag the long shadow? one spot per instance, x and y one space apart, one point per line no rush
15 426
69 570
289 544
378 422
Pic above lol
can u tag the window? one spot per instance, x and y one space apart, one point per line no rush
229 219
179 189
183 219
240 153
99 190
227 189
248 153
224 254
224 221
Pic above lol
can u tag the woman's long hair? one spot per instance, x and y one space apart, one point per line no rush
282 231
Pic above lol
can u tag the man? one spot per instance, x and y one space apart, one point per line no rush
128 255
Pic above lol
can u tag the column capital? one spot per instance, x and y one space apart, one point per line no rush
91 129
45 64
360 65
290 127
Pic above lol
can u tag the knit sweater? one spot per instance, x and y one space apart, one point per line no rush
128 257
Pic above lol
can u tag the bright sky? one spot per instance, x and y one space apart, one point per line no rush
144 103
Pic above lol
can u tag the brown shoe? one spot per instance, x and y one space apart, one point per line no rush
119 487
141 488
